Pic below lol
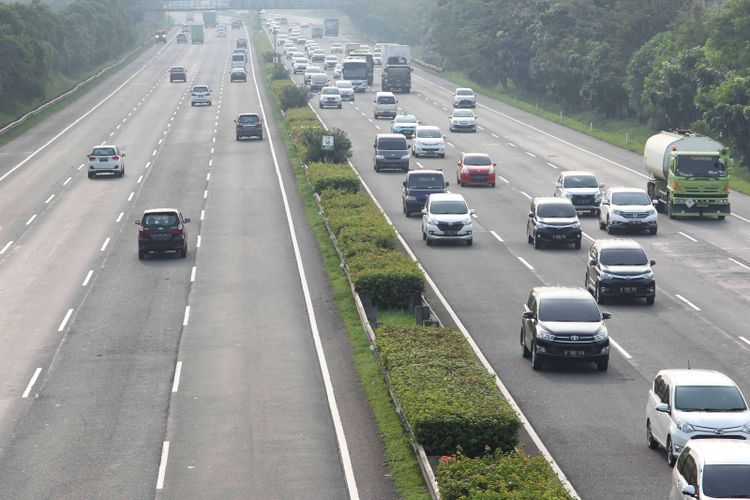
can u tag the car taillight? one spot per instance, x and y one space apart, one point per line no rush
143 231
115 157
176 230
92 158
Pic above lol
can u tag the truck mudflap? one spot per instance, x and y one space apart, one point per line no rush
698 207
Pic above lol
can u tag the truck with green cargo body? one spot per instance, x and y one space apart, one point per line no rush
316 31
331 26
209 19
689 174
196 33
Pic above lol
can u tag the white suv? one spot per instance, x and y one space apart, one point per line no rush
446 216
329 96
300 65
106 158
201 94
693 404
712 468
627 208
464 98
428 141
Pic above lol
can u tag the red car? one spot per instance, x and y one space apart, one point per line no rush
475 169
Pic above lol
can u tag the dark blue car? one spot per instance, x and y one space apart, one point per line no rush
418 185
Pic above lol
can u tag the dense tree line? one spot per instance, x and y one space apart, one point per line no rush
669 63
37 44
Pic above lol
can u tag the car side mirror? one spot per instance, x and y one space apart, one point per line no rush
601 186
689 490
653 262
558 185
424 211
374 146
444 137
531 215
592 262
606 315
447 183
403 183
186 220
654 202
138 222
662 407
528 314
123 155
472 212
494 164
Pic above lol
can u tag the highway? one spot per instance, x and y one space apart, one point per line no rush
592 423
223 375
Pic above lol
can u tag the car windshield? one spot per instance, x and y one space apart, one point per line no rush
386 99
630 199
463 113
405 119
580 181
200 89
248 119
464 92
477 160
449 207
429 133
556 210
563 309
160 219
623 257
726 481
344 85
426 181
708 398
238 57
103 152
392 144
177 69
700 166
330 91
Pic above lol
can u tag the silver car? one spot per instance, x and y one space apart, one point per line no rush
201 94
581 188
106 159
463 120
446 216
346 89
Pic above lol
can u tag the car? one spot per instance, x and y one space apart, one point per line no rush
338 71
241 43
630 209
185 28
553 220
294 55
685 404
248 125
417 186
712 468
391 151
346 89
310 71
475 169
464 97
463 120
304 25
318 81
565 324
329 96
200 94
106 159
236 24
330 62
299 65
447 217
301 41
428 141
238 59
181 38
385 105
221 32
162 230
619 268
177 74
404 123
582 188
238 75
337 48
319 55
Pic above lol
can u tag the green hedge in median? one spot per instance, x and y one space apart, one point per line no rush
499 476
446 394
388 277
339 176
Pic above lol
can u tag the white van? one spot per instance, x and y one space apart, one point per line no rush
239 60
385 105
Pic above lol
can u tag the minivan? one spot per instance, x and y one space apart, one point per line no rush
238 60
385 105
391 151
418 185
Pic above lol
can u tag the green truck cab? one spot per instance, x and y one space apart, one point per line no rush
196 33
209 19
689 174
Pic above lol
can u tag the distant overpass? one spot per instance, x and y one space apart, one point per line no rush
198 5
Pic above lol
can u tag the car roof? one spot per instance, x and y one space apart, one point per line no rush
249 114
566 292
424 172
577 172
238 70
383 94
623 189
617 243
329 88
549 200
721 451
388 135
433 127
473 155
104 146
464 88
447 197
685 376
346 83
159 210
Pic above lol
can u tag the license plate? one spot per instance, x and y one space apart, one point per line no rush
575 353
558 236
103 159
634 222
629 289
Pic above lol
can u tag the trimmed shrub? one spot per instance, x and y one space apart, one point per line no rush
499 476
389 278
446 394
304 114
332 175
278 86
292 96
267 56
342 146
278 72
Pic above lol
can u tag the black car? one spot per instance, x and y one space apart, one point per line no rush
418 185
391 151
619 268
564 323
181 38
241 43
177 73
553 220
162 230
238 75
249 125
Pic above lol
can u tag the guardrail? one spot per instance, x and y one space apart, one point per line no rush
427 65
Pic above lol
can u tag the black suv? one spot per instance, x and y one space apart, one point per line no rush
162 230
553 220
619 268
177 73
241 43
248 125
564 323
418 185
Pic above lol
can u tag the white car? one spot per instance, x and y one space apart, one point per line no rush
106 159
463 120
309 71
329 97
446 216
582 188
346 89
337 48
319 55
200 94
428 141
330 62
299 65
627 209
712 468
464 97
693 404
337 71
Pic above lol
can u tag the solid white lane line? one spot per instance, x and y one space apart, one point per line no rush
203 214
177 373
512 145
186 318
148 164
119 217
205 194
65 320
192 274
31 383
104 245
6 247
480 127
208 176
139 180
733 215
162 465
67 181
740 263
687 236
198 241
527 195
587 236
49 199
450 144
502 179
495 136
686 301
132 193
88 277
744 340
619 348
497 237
551 165
525 263
531 154
31 219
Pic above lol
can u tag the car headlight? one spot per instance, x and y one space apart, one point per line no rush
618 212
598 196
431 221
405 157
542 334
601 336
379 157
410 198
647 276
568 195
542 225
685 426
576 225
607 276
746 428
465 170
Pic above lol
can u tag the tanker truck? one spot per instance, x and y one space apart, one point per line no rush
689 174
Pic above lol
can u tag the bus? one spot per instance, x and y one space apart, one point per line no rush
356 71
367 56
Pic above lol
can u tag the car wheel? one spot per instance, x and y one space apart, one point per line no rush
141 255
577 245
492 185
609 228
320 106
602 225
721 217
537 242
183 251
536 363
469 242
525 352
650 300
529 238
91 175
671 458
598 295
442 155
260 137
602 365
428 241
424 235
377 169
652 231
597 212
339 106
650 441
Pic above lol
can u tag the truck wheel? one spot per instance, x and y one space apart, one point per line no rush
670 214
